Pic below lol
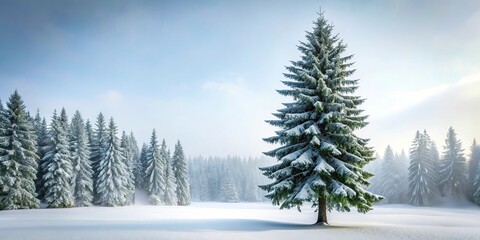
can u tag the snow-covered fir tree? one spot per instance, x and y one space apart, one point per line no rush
82 182
473 171
321 159
97 149
133 144
112 180
57 167
402 164
42 142
89 131
435 155
228 192
180 171
64 121
453 169
18 156
171 183
390 176
155 172
423 188
127 152
140 167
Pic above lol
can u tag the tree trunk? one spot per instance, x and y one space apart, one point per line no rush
322 212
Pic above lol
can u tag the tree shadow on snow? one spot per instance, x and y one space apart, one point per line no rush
187 225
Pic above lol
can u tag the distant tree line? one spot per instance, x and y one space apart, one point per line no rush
71 163
425 176
227 179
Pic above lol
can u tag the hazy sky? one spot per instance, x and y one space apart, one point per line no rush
205 72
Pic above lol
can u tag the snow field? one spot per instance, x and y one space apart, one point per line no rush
238 221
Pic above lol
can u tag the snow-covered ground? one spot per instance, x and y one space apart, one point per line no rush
238 221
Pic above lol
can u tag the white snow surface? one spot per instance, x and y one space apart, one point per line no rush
214 220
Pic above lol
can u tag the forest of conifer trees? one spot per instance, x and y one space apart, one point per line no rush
72 163
426 176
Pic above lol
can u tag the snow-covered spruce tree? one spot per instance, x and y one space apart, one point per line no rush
82 182
42 142
402 164
89 131
97 149
228 192
127 152
171 182
435 156
422 188
473 170
140 167
321 159
390 176
475 173
155 172
133 144
181 175
57 167
453 169
112 179
18 156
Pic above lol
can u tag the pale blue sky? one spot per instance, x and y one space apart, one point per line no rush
205 72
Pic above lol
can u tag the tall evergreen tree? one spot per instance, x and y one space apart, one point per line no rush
155 172
57 167
140 167
171 183
42 143
473 169
97 149
18 156
228 192
391 177
435 159
453 169
321 159
128 158
133 144
112 171
422 178
475 174
181 175
82 182
89 131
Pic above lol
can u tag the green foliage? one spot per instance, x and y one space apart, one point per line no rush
320 156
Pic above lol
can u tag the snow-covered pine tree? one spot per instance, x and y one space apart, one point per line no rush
155 172
128 158
422 179
18 156
475 173
321 159
64 121
42 141
89 131
171 182
402 164
82 182
97 149
453 169
435 156
181 175
133 144
390 177
112 171
228 192
57 167
140 167
473 170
